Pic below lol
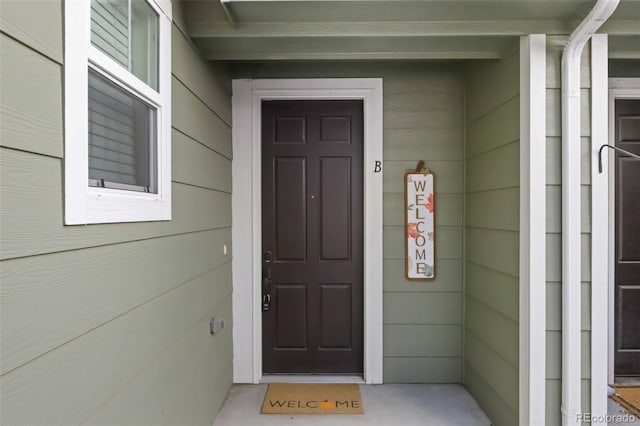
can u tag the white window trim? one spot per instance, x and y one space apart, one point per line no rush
84 204
246 202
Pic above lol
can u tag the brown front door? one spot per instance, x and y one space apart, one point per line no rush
312 217
627 246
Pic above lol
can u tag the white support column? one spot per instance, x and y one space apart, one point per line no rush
243 312
599 226
532 229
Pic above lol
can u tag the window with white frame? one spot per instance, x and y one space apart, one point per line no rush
117 111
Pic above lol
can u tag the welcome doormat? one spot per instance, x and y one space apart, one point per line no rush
312 398
629 398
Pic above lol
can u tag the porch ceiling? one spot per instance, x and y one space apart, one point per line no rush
391 29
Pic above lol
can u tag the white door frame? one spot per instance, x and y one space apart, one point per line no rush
619 88
246 205
603 225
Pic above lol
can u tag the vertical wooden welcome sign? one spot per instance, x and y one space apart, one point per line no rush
420 228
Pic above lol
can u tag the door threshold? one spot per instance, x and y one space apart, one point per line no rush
630 381
310 378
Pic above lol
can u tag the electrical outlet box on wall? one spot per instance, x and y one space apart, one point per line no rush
216 325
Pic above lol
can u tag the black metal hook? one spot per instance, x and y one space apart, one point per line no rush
615 148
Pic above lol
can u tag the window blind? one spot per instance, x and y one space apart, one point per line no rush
112 151
121 139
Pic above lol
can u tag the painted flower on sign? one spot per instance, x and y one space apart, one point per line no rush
412 232
428 271
429 204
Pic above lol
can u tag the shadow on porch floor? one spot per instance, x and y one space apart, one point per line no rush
384 405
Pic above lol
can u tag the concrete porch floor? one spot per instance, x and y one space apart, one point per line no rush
384 405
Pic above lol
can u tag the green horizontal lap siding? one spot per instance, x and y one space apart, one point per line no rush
182 365
77 282
620 68
25 123
492 199
554 229
493 290
117 315
423 120
41 31
491 402
117 355
421 369
31 213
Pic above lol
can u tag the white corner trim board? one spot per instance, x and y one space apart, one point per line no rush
532 230
246 205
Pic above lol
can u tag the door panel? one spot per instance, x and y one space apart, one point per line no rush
627 234
291 316
290 202
629 176
312 219
290 129
335 217
335 312
335 129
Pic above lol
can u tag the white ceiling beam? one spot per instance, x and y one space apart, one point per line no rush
621 27
624 47
355 56
624 54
